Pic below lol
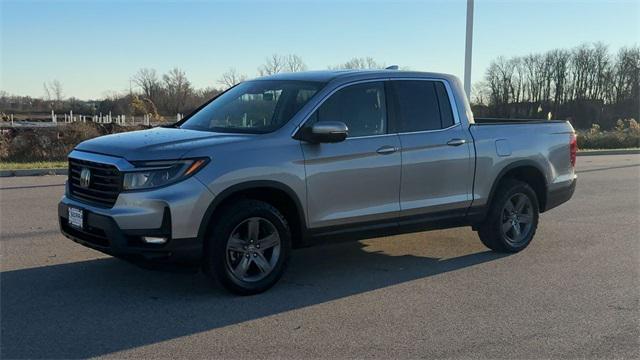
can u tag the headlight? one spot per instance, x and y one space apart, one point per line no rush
153 174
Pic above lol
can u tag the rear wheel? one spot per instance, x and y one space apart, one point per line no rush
249 247
513 218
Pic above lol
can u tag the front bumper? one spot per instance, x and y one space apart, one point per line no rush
102 233
175 212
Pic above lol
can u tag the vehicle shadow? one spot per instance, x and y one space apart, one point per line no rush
98 307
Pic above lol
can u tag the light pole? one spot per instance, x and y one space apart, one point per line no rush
467 50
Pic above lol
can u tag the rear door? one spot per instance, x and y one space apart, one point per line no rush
357 180
437 169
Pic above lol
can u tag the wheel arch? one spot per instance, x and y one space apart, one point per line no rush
526 171
275 193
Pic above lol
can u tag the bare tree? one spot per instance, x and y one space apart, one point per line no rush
273 65
560 70
585 84
56 88
178 89
205 94
231 78
360 63
282 63
47 92
294 63
626 79
581 63
601 66
518 85
480 93
53 91
149 83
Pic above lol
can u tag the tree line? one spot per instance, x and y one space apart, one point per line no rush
587 85
160 94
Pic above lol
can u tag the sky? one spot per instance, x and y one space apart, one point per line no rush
94 47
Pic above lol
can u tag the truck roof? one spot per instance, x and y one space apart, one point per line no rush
330 75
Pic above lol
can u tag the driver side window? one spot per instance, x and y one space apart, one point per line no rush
361 107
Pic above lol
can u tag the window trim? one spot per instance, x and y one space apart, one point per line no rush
447 86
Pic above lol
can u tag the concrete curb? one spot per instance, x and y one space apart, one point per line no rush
32 172
609 152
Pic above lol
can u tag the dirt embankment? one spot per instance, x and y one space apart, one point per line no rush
51 143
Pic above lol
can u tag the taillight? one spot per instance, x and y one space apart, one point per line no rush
573 149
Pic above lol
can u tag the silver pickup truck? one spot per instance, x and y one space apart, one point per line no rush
288 160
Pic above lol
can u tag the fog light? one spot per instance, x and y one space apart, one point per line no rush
154 240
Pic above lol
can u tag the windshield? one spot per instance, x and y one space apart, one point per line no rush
259 106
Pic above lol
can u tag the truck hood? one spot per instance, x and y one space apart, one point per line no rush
157 143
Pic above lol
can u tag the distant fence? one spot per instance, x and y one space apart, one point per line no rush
70 117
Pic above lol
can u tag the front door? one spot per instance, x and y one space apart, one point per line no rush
357 180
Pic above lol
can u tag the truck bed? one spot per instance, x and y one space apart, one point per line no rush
507 121
503 143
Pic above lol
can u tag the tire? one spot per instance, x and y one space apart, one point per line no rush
234 257
505 229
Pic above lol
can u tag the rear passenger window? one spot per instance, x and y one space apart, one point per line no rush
361 107
421 105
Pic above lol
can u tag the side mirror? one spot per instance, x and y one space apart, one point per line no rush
327 132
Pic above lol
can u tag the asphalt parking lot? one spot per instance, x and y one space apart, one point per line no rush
573 293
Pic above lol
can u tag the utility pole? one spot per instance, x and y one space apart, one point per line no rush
467 50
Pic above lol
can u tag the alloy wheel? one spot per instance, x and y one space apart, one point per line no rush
517 218
253 249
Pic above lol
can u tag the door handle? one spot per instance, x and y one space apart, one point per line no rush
456 142
387 149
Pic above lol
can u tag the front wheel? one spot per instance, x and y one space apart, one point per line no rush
512 219
249 246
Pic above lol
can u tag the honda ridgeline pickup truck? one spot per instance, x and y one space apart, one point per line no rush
286 160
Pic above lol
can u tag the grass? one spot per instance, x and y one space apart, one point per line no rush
33 165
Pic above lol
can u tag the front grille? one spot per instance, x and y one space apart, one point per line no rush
104 186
